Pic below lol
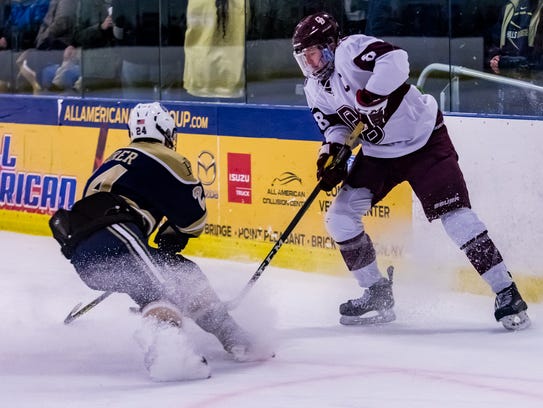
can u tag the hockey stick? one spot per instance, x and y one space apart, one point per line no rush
98 159
76 311
345 150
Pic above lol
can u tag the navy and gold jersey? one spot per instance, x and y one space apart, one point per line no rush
157 182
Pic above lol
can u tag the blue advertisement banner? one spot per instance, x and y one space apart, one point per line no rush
256 121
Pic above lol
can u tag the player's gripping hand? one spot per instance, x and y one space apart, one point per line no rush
371 108
329 172
169 240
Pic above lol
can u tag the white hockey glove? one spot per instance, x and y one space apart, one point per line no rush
371 108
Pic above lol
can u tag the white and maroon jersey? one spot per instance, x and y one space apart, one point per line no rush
383 69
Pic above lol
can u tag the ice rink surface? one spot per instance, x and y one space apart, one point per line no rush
444 350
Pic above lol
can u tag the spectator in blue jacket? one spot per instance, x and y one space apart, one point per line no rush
54 43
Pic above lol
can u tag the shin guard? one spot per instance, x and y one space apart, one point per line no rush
482 253
357 252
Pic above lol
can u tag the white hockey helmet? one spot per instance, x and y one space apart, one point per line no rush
152 121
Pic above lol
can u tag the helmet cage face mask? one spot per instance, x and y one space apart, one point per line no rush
170 137
316 33
152 121
325 66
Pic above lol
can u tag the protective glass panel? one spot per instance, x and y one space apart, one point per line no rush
473 56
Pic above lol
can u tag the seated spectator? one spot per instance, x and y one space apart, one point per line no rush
19 25
383 18
94 35
58 77
5 53
518 55
52 42
355 16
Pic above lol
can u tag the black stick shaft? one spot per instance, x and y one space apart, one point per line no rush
278 244
345 150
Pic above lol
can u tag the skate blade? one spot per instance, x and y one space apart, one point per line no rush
519 321
384 316
242 355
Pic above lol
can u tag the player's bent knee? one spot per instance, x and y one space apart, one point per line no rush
343 220
342 227
462 225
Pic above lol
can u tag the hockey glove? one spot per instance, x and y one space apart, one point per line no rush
330 174
169 240
371 108
521 64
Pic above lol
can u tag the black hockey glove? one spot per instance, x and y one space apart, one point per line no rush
371 108
521 64
330 174
169 240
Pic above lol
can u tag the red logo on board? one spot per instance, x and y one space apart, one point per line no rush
239 178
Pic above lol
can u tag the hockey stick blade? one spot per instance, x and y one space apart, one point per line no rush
70 316
232 304
346 149
76 311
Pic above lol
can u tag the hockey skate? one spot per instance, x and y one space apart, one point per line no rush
168 353
239 344
510 309
373 307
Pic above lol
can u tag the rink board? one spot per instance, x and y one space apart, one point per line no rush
257 166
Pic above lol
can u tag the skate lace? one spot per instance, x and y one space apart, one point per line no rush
362 300
505 297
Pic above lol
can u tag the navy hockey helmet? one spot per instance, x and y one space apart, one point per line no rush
317 32
152 121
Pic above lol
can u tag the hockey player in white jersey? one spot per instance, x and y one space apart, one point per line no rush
360 78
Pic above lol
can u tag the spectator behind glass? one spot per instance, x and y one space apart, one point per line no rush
408 18
355 16
518 55
19 25
215 49
53 45
151 49
5 54
272 19
23 20
94 34
383 18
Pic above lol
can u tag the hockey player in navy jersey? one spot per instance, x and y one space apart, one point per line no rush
360 78
141 188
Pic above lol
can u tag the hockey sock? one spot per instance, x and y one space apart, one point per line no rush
487 260
470 234
359 256
367 275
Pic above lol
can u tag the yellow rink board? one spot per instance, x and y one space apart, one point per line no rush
273 176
